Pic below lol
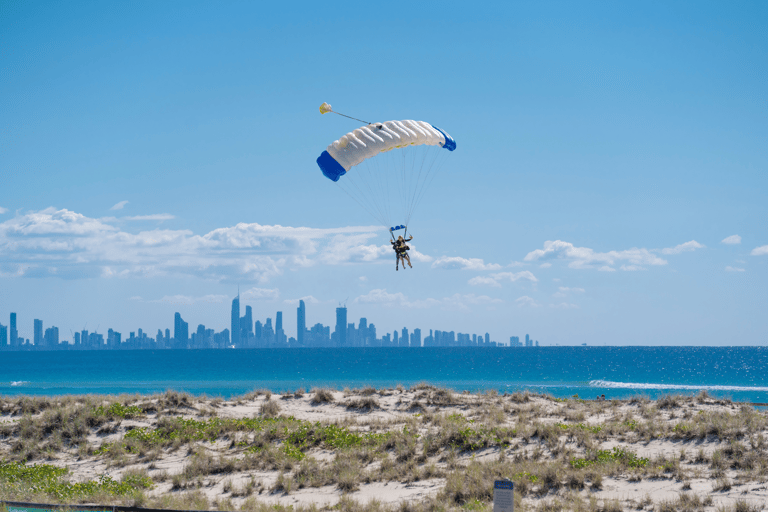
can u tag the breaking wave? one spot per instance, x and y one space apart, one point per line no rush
639 385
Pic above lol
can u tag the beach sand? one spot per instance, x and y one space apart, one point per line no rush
419 448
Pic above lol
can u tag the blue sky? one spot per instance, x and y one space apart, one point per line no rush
609 184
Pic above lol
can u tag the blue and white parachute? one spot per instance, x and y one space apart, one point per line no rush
386 167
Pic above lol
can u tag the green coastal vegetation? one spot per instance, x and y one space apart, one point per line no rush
249 452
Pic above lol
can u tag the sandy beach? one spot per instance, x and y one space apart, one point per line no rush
422 448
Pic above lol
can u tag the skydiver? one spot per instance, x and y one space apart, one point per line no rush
400 247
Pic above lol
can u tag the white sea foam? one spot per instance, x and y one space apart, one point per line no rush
19 382
639 385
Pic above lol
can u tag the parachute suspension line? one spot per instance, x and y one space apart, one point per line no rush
415 184
431 173
358 202
364 198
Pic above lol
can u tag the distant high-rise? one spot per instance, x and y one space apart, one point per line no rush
14 333
301 323
528 341
246 324
268 333
279 333
51 338
181 331
416 338
341 327
235 324
38 332
3 335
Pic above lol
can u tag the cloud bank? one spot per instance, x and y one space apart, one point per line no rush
584 257
457 301
70 245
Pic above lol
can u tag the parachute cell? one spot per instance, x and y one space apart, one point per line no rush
369 141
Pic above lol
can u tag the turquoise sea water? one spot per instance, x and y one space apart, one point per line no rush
740 373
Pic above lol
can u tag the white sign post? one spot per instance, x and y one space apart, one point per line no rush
503 497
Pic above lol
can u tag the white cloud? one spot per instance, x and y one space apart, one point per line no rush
584 257
494 279
119 206
70 245
483 280
455 262
309 299
606 268
760 251
526 301
381 296
545 265
137 298
632 268
564 291
685 247
564 305
733 239
260 294
733 269
3 210
363 279
456 301
187 299
514 276
155 216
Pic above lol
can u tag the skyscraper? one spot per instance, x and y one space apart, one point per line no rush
51 337
235 327
279 334
246 325
301 323
14 333
3 335
341 327
38 332
181 331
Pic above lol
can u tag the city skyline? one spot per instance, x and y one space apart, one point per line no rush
245 333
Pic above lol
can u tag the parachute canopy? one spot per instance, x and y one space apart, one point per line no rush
386 167
369 141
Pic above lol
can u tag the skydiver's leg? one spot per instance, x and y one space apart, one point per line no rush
397 261
408 258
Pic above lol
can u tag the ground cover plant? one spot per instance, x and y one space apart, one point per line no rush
423 448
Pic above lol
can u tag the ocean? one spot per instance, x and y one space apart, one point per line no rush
739 373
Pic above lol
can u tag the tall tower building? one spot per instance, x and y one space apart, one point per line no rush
341 326
3 335
279 334
14 333
38 332
235 327
246 324
301 322
180 331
